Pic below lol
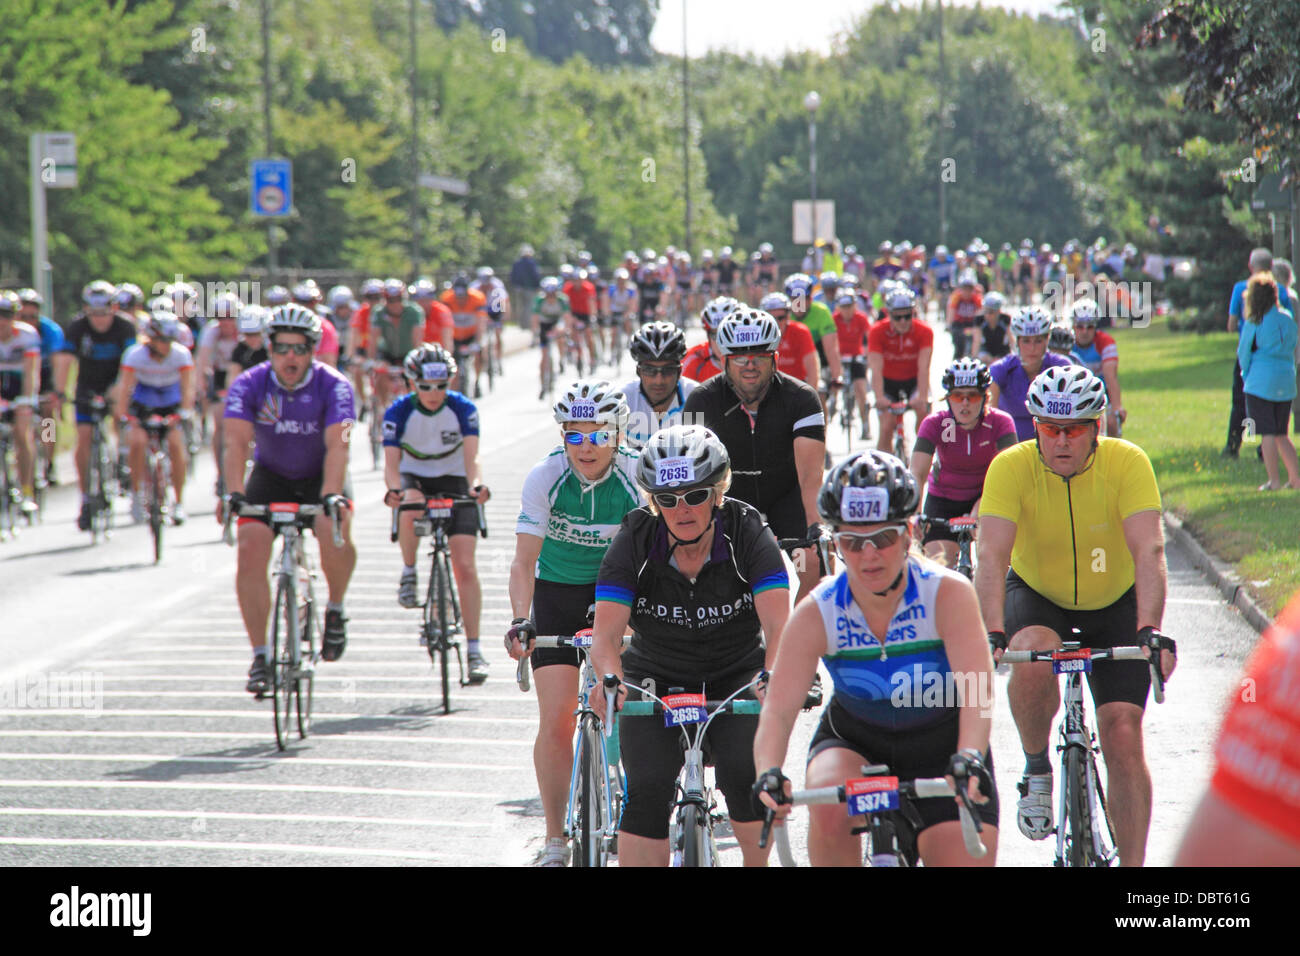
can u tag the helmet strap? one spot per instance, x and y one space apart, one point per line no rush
897 581
678 542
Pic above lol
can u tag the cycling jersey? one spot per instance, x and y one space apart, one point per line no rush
432 443
51 342
643 421
943 270
1013 385
550 310
698 363
683 630
727 269
464 313
965 308
902 353
963 456
1258 753
329 338
396 333
582 297
246 357
852 333
1102 349
761 445
620 300
361 327
576 519
437 318
99 354
819 322
882 681
494 296
1006 261
886 267
796 345
1070 545
23 344
993 338
157 381
222 351
289 424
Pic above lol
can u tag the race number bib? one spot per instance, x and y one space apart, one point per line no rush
747 336
675 471
864 505
433 371
966 378
583 410
1059 404
1072 662
871 795
682 709
582 638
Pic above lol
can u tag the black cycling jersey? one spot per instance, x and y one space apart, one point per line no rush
246 357
688 631
99 354
993 339
761 447
727 269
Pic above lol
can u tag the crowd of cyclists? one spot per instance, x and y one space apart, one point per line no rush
669 498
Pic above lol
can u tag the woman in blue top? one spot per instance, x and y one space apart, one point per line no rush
1012 374
1266 351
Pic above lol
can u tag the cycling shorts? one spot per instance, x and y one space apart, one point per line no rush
544 330
81 406
609 320
653 757
464 515
899 390
937 507
855 367
265 486
580 321
560 609
136 410
923 752
1113 626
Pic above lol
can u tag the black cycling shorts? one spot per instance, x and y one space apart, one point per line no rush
909 754
265 486
580 321
899 390
560 609
786 517
653 756
937 507
464 514
855 367
544 330
1114 626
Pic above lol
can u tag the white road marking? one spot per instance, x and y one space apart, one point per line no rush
241 847
244 788
230 815
288 760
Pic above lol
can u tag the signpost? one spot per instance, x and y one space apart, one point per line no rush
52 164
804 220
271 190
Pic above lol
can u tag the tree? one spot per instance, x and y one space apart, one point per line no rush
606 32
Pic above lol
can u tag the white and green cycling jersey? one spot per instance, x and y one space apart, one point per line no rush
576 519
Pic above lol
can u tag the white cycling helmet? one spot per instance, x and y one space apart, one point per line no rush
775 300
226 306
621 273
372 287
1069 393
592 400
1084 312
252 319
681 456
900 299
716 310
748 330
994 301
765 248
1031 320
295 318
340 295
550 284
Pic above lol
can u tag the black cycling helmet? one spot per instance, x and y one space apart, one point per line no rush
429 363
966 373
658 342
838 504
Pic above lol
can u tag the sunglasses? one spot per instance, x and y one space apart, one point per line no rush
964 399
900 316
744 361
598 438
656 371
283 348
431 386
1049 431
666 499
854 542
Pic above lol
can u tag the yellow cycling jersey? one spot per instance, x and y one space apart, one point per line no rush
1070 544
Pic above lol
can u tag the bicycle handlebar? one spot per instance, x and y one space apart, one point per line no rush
246 510
423 506
550 640
1125 653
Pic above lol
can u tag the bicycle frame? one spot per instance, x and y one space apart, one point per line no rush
102 483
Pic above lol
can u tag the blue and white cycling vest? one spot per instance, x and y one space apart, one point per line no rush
432 443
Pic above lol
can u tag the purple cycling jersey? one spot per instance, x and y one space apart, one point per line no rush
1013 385
962 457
289 425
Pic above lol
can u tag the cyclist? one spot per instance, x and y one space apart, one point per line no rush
964 308
817 317
20 372
97 338
51 402
341 307
886 265
549 308
990 336
469 316
621 297
649 287
1060 341
1005 266
655 398
703 586
1098 351
581 293
898 354
964 438
431 438
928 619
438 321
851 327
1077 519
217 343
572 504
372 302
307 294
728 272
300 412
394 330
251 349
1012 374
766 270
943 266
701 362
773 428
498 304
157 379
796 354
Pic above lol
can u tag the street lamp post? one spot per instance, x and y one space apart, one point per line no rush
810 103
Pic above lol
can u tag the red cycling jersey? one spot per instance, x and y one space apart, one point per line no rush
582 297
1258 754
698 363
902 352
796 344
851 332
436 318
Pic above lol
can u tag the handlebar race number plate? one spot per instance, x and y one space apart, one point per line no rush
283 512
682 709
871 795
1072 662
440 508
582 638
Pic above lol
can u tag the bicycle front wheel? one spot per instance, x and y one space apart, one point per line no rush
440 592
156 494
589 814
284 685
308 631
692 823
1074 778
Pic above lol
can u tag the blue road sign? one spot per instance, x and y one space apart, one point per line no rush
272 187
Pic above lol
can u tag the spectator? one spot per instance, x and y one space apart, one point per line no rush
1285 277
525 280
1266 354
831 261
809 264
1261 260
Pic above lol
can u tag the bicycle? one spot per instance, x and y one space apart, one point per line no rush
102 484
10 491
690 836
376 407
157 473
1084 836
442 621
596 785
900 435
466 354
964 528
295 621
889 820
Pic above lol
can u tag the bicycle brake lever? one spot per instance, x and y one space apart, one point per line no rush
522 674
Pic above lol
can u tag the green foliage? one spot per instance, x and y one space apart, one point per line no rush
606 32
